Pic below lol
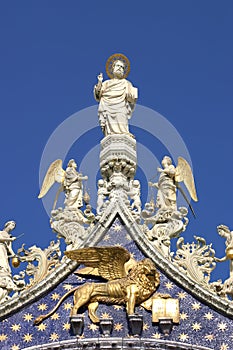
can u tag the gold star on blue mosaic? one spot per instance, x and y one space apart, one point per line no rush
67 286
106 238
27 338
55 296
209 316
118 327
222 326
66 326
183 336
42 327
27 317
209 337
67 306
117 307
93 327
156 335
196 326
3 337
15 347
169 285
116 227
128 237
181 295
42 307
54 336
145 326
196 306
55 316
183 316
15 327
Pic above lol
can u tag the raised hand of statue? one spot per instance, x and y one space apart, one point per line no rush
100 78
98 86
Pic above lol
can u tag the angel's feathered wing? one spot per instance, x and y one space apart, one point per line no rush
107 262
184 173
55 173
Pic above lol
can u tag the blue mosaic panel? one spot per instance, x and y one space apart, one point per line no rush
199 324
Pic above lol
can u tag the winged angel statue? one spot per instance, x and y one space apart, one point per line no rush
169 179
129 281
167 220
70 180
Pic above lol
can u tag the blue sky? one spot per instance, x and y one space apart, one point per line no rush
181 56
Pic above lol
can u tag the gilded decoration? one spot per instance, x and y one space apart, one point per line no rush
118 268
129 283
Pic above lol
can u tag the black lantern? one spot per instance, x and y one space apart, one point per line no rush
77 323
135 324
106 325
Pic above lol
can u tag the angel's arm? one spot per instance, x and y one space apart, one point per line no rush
170 170
83 177
221 259
10 250
97 87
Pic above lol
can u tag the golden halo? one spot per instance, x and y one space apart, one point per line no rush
114 58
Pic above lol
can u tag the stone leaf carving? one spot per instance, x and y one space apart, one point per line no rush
40 262
166 224
196 260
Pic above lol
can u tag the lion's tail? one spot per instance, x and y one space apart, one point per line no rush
41 318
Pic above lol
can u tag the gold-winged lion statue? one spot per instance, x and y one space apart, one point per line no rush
129 282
